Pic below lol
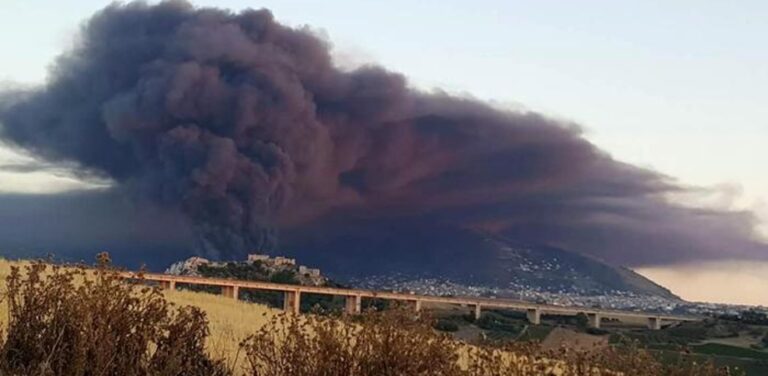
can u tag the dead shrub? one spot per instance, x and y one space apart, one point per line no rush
80 322
381 344
396 343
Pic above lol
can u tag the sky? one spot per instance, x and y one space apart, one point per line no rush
678 87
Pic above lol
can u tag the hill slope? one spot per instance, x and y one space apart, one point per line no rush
461 256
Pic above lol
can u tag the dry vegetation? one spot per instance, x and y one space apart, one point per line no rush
397 343
71 321
78 322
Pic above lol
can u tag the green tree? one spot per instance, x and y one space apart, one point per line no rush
285 277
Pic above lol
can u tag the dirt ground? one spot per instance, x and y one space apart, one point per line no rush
573 340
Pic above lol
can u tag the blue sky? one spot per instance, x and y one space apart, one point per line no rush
679 86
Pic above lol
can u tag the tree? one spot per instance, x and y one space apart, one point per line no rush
285 277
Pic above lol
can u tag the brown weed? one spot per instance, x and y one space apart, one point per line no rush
78 321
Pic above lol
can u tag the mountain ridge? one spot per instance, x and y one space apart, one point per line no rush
465 256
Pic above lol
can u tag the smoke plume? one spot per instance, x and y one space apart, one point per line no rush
246 126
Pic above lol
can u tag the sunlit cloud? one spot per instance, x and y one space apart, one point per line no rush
23 174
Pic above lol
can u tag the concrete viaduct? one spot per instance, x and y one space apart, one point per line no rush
292 299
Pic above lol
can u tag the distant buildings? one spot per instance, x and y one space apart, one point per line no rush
279 260
268 265
188 266
303 270
306 275
610 299
257 257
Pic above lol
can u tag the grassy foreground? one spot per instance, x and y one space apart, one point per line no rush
75 321
230 321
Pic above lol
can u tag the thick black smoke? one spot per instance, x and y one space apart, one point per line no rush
245 125
75 226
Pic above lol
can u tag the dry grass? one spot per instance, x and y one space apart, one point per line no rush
76 322
5 271
562 337
71 316
230 321
396 343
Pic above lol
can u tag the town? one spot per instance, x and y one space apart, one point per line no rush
618 300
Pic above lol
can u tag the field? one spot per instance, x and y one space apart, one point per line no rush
230 320
731 351
252 339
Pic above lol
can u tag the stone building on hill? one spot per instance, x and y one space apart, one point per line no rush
264 265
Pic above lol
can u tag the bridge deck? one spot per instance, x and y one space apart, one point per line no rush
472 301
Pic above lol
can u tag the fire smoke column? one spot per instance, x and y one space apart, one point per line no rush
245 125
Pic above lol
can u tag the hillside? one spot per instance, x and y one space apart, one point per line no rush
555 269
256 267
259 267
463 256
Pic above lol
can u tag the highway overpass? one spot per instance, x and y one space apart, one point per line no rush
292 299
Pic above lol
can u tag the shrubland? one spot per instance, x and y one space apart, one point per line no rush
87 321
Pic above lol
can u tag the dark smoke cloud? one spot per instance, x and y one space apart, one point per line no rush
245 125
74 226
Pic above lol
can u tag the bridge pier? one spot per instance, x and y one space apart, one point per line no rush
292 298
230 291
168 285
594 320
292 301
533 315
417 305
654 323
353 304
